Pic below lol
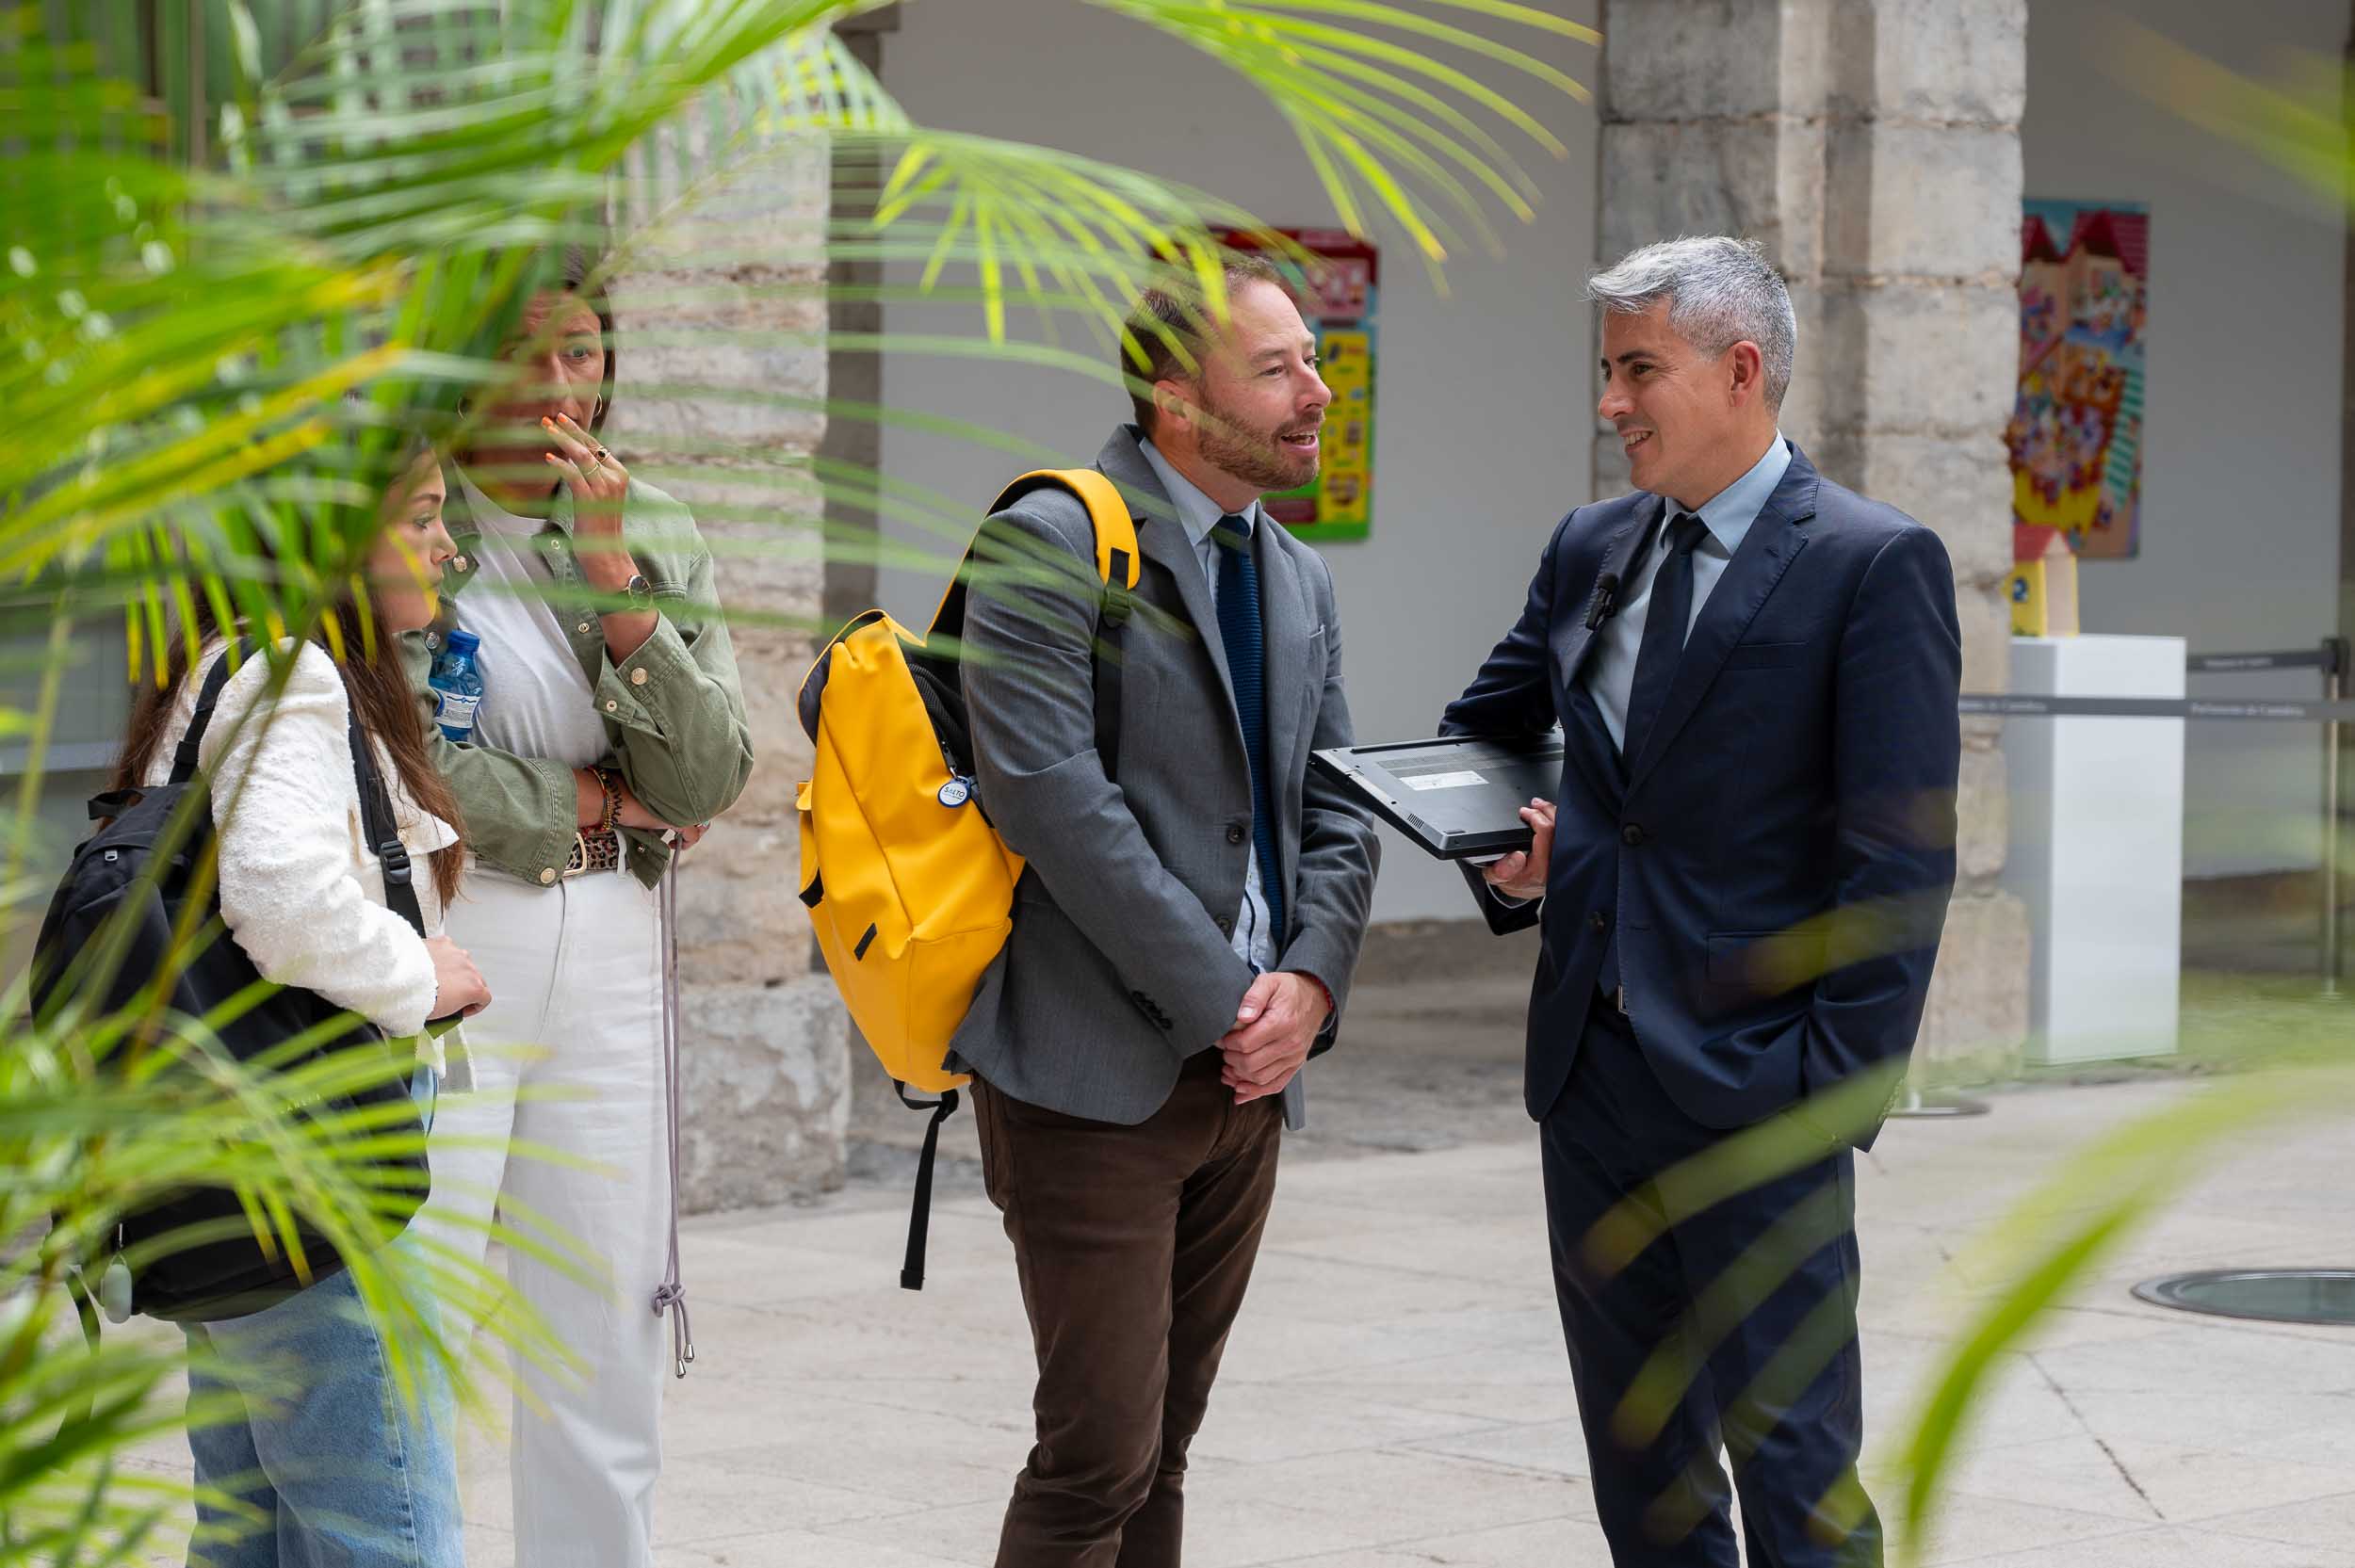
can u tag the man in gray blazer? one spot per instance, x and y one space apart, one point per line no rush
1185 931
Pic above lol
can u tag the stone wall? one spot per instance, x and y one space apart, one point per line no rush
1874 147
722 320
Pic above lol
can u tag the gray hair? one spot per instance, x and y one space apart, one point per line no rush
1720 291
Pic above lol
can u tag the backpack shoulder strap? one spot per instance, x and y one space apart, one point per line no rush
377 820
1115 529
379 825
1119 568
183 760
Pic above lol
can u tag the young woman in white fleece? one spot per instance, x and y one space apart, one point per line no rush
331 1463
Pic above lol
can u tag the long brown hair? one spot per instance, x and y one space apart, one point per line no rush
381 697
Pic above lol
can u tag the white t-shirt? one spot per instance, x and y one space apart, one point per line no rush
536 702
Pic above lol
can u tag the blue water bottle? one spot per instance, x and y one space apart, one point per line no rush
457 687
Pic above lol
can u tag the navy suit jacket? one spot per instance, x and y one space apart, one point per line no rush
1777 861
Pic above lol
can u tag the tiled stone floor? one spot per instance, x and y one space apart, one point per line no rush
1395 1394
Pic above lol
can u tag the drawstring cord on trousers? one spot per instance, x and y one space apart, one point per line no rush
670 1296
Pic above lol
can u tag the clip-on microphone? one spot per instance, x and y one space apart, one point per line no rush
1607 600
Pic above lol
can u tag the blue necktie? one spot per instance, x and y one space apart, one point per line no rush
1664 626
1239 629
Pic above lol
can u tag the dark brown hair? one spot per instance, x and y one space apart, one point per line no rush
578 267
1166 327
380 696
574 273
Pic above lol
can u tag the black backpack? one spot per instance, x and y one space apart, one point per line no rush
110 933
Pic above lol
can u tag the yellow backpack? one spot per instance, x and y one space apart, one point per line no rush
909 888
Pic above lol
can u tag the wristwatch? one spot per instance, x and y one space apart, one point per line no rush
640 590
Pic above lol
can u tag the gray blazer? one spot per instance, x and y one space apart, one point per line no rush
1120 967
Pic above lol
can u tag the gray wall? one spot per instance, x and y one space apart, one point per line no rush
94 705
1485 398
2240 526
1486 403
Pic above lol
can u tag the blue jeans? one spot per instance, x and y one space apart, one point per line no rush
340 1470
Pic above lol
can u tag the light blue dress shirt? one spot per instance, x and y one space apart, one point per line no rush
1254 941
1610 674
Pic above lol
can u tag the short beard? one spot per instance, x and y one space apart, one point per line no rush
1233 447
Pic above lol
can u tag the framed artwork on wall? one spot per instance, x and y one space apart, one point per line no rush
2076 430
1339 287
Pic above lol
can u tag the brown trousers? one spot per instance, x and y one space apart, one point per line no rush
1134 1246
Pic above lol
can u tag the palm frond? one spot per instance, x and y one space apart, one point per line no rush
1304 55
2050 1243
249 255
2295 122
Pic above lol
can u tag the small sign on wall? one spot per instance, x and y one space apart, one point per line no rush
1337 291
2043 584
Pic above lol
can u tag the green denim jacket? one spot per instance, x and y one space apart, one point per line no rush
674 710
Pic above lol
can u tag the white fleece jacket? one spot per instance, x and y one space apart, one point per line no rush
299 890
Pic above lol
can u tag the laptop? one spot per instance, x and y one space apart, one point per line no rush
1461 798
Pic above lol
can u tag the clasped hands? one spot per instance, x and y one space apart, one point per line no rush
1278 1020
588 810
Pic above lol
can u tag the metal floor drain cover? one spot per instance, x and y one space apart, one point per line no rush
2274 1295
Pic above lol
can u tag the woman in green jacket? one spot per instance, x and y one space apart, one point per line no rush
610 730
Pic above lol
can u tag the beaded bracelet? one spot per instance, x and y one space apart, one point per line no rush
609 784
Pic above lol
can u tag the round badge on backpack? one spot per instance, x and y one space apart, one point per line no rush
955 792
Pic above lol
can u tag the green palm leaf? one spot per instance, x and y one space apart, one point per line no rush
249 250
2052 1242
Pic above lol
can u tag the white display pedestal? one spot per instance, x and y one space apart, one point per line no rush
2097 847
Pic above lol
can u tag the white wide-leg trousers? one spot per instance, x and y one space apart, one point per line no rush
575 978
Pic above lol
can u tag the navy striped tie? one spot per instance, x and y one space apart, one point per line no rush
1239 629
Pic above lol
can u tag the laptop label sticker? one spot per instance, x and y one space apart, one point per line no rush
1444 781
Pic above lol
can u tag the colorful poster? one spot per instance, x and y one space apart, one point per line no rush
2076 430
1337 298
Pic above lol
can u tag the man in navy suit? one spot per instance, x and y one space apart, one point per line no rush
1741 885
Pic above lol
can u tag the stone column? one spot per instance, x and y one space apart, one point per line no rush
2345 801
854 374
722 319
1874 147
